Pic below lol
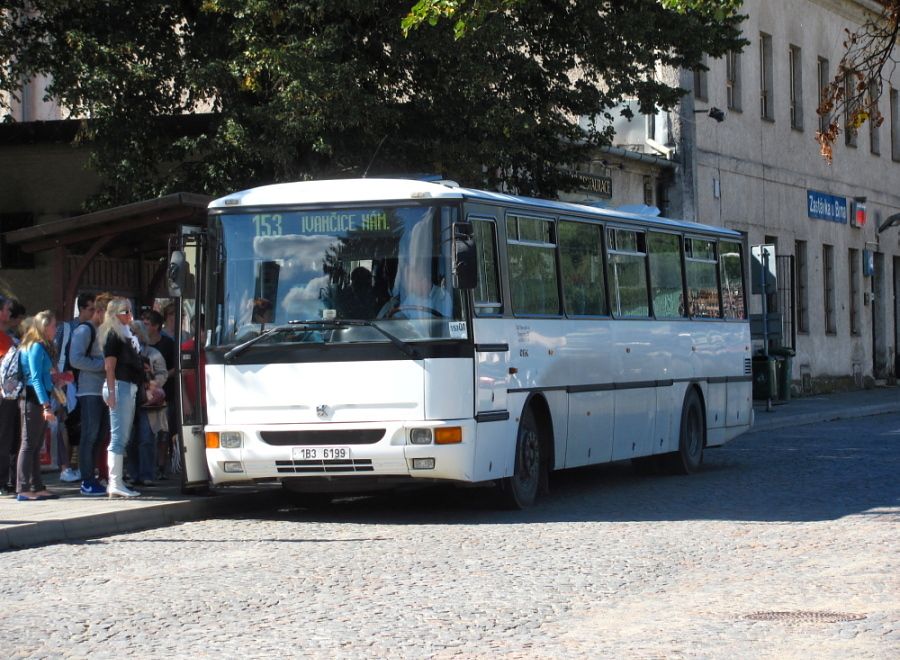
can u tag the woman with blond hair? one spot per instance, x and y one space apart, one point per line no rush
36 356
124 373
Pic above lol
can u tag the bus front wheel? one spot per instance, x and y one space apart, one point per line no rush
691 438
520 490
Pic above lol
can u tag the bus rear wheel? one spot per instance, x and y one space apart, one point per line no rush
520 490
691 438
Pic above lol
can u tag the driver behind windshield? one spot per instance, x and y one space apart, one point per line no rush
416 296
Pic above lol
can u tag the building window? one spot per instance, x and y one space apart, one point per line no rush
895 124
700 85
802 286
796 82
823 80
766 107
733 80
874 128
828 288
854 291
850 132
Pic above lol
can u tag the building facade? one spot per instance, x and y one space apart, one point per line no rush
759 171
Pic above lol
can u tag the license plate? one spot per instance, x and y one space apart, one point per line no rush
321 453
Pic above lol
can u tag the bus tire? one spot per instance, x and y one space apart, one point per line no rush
691 437
520 490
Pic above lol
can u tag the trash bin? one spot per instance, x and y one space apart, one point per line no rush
764 377
784 364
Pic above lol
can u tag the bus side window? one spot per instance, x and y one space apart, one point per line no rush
581 261
731 265
487 293
531 251
666 290
702 277
628 272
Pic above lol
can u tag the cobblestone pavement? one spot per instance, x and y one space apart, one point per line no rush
611 564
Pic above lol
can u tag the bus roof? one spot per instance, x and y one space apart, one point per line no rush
338 191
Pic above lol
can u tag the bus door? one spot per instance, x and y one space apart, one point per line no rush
186 262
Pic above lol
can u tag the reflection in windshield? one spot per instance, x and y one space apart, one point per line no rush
390 265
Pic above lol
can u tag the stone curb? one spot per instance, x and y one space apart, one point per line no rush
764 421
107 523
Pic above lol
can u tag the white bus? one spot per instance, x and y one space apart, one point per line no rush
377 332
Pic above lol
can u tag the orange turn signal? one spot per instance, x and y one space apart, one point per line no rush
447 435
212 440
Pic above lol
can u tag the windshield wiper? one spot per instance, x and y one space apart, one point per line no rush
343 323
240 348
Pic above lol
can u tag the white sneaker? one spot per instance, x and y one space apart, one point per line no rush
70 475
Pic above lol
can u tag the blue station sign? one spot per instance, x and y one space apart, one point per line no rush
823 206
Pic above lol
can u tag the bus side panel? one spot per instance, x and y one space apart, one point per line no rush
665 418
738 404
590 428
494 449
558 403
715 405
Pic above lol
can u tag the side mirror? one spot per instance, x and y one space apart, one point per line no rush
175 274
465 265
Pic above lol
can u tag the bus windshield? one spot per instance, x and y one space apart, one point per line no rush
387 266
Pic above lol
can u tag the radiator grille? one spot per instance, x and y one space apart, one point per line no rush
322 437
329 465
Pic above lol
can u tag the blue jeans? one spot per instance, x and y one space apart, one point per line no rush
121 416
94 426
142 458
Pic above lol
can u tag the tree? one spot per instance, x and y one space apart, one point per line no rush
853 93
290 90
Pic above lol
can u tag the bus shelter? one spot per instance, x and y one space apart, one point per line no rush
122 250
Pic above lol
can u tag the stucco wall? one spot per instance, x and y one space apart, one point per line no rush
753 175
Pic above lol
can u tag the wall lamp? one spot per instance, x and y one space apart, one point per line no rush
715 113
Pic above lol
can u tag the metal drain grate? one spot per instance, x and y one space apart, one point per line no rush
805 617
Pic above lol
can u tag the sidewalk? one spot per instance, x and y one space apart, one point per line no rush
74 518
826 407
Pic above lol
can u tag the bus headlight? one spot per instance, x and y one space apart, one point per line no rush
420 436
231 439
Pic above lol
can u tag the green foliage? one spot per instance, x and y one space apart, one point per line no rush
217 95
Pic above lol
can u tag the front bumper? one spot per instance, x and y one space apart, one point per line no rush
258 459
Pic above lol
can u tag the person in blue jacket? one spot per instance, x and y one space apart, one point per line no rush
36 355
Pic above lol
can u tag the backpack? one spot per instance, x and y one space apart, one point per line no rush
67 364
11 374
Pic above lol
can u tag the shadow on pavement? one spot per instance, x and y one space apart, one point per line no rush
810 473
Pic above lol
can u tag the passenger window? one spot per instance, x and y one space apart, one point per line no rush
666 287
487 292
628 272
581 258
531 251
731 264
702 277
